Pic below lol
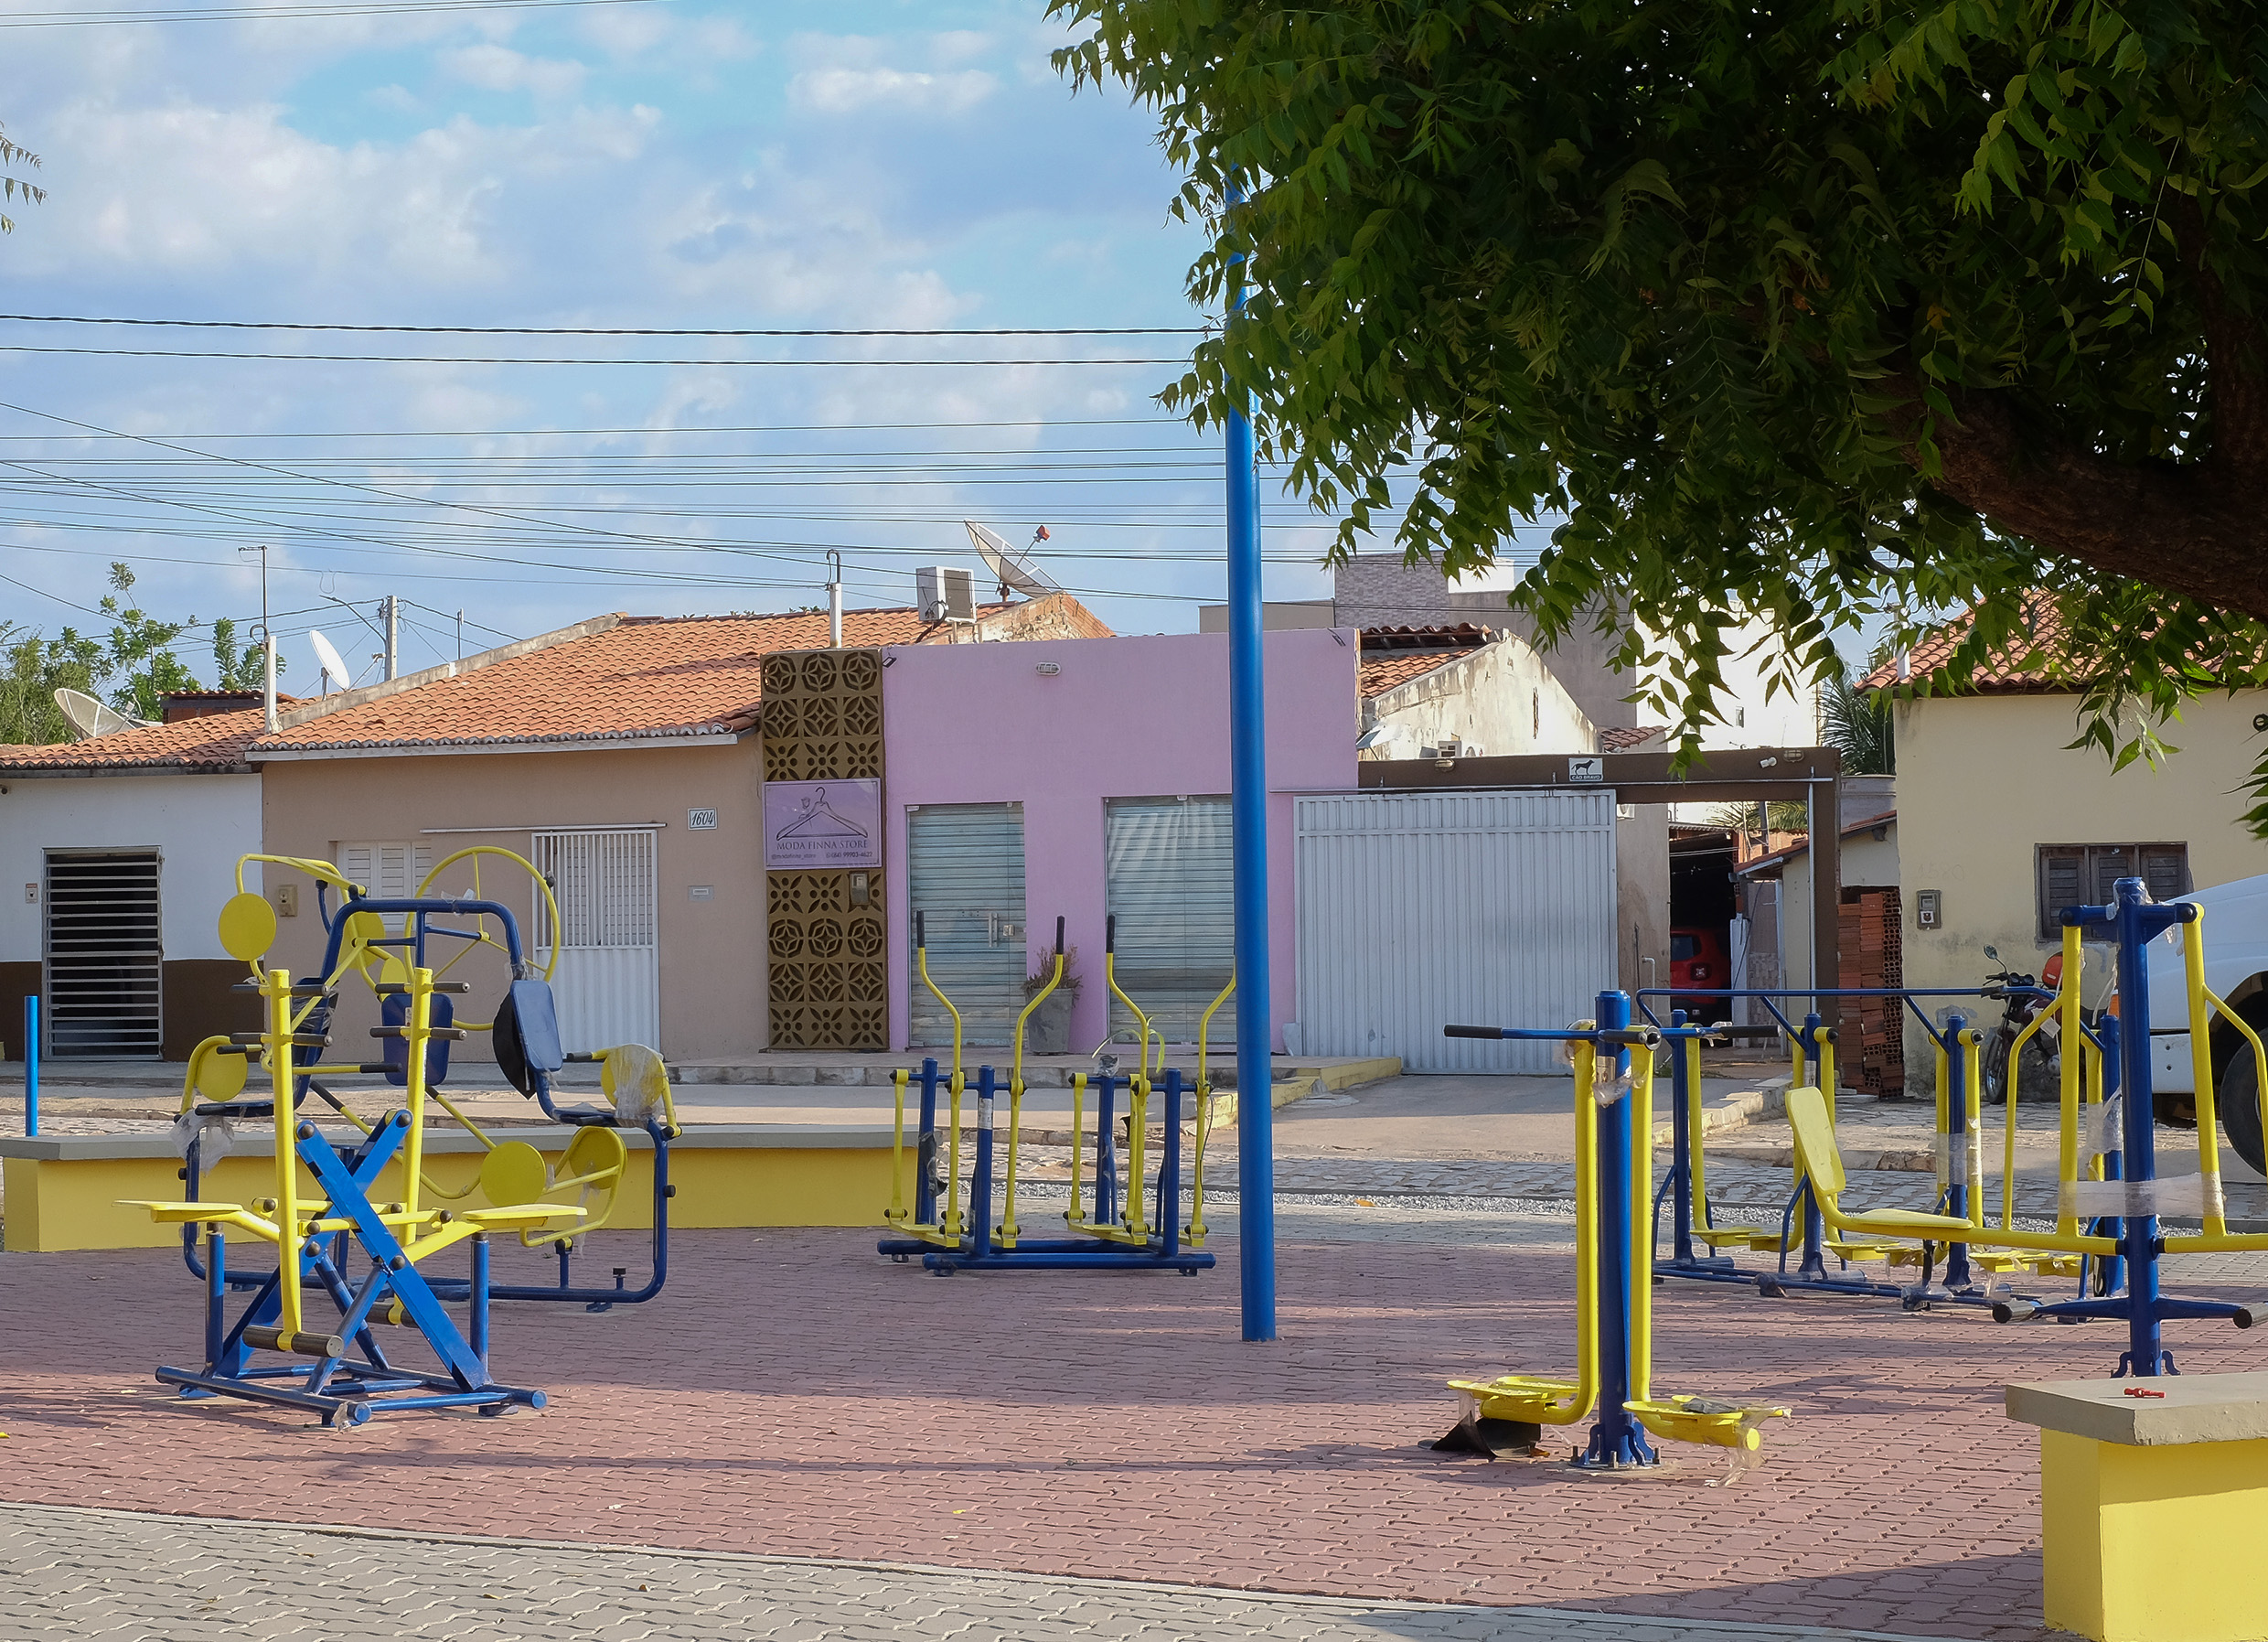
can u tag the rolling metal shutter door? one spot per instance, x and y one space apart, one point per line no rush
608 986
1420 910
104 951
964 876
1170 883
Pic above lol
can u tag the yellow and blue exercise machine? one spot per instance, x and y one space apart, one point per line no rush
346 1372
1957 1139
2123 1207
1124 1232
1614 1275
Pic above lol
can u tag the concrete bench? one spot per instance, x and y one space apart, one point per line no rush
2152 1507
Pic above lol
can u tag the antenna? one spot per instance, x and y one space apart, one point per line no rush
92 718
1013 567
327 658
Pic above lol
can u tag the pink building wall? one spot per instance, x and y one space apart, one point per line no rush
974 723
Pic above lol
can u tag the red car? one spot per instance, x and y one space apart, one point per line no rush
1698 959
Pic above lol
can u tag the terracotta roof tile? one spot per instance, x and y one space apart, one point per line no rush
2027 668
1384 672
1623 740
215 742
625 678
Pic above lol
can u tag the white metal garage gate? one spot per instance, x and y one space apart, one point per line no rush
608 986
1419 909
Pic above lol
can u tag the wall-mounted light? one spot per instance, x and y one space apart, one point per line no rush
1047 670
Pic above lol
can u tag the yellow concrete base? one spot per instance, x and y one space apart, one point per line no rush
2155 1544
68 1192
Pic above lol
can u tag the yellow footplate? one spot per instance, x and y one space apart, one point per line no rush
1517 1396
1697 1420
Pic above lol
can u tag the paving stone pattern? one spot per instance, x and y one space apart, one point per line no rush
792 1394
131 1576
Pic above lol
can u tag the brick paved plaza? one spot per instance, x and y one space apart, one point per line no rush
792 1395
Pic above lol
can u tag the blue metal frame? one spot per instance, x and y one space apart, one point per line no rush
979 1247
1812 1275
1617 1441
31 1064
339 1388
1248 736
2139 920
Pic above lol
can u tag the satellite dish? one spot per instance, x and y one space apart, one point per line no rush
1012 569
327 658
90 717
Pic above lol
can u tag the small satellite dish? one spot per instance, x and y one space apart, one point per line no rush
327 658
90 717
1014 569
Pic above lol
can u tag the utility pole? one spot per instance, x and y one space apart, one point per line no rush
834 600
267 646
391 611
456 666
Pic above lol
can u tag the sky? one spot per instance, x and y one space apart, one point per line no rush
655 164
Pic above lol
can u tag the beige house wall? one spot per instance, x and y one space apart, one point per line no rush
712 959
1982 780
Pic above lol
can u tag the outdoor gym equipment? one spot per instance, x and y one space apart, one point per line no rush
2127 1205
544 1200
1120 1234
1614 1271
1958 1144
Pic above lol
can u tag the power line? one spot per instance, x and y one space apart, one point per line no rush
410 359
253 13
551 330
650 432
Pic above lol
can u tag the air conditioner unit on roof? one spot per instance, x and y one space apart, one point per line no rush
944 593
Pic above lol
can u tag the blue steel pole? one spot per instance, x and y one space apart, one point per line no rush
1958 1276
2145 1353
1617 1439
31 1064
1681 1151
1255 1125
1813 1264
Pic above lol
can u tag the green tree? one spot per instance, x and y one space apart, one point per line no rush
131 666
32 669
1858 723
138 664
1824 310
13 186
235 666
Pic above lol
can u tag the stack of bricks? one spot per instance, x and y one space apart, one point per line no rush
1872 1042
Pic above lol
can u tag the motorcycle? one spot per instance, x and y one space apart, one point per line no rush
2022 998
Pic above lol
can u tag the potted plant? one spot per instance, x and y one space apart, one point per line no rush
1049 1030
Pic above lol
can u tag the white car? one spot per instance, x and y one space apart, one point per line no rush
2236 969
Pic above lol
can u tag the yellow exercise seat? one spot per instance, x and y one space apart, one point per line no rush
1822 1159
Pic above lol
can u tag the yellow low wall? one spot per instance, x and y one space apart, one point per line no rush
69 1191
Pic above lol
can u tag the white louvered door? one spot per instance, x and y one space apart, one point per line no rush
608 985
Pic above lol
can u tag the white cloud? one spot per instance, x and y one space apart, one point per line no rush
840 90
500 69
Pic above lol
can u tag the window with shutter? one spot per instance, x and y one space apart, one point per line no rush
389 870
2062 883
2070 874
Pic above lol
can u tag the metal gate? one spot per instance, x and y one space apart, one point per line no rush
104 952
1420 910
1171 882
608 987
964 876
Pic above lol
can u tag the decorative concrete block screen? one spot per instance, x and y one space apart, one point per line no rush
822 722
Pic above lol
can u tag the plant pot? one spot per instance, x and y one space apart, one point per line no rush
1049 1030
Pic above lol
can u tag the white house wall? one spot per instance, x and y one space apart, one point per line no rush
199 825
1501 697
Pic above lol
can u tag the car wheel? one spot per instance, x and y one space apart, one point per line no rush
2238 1099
